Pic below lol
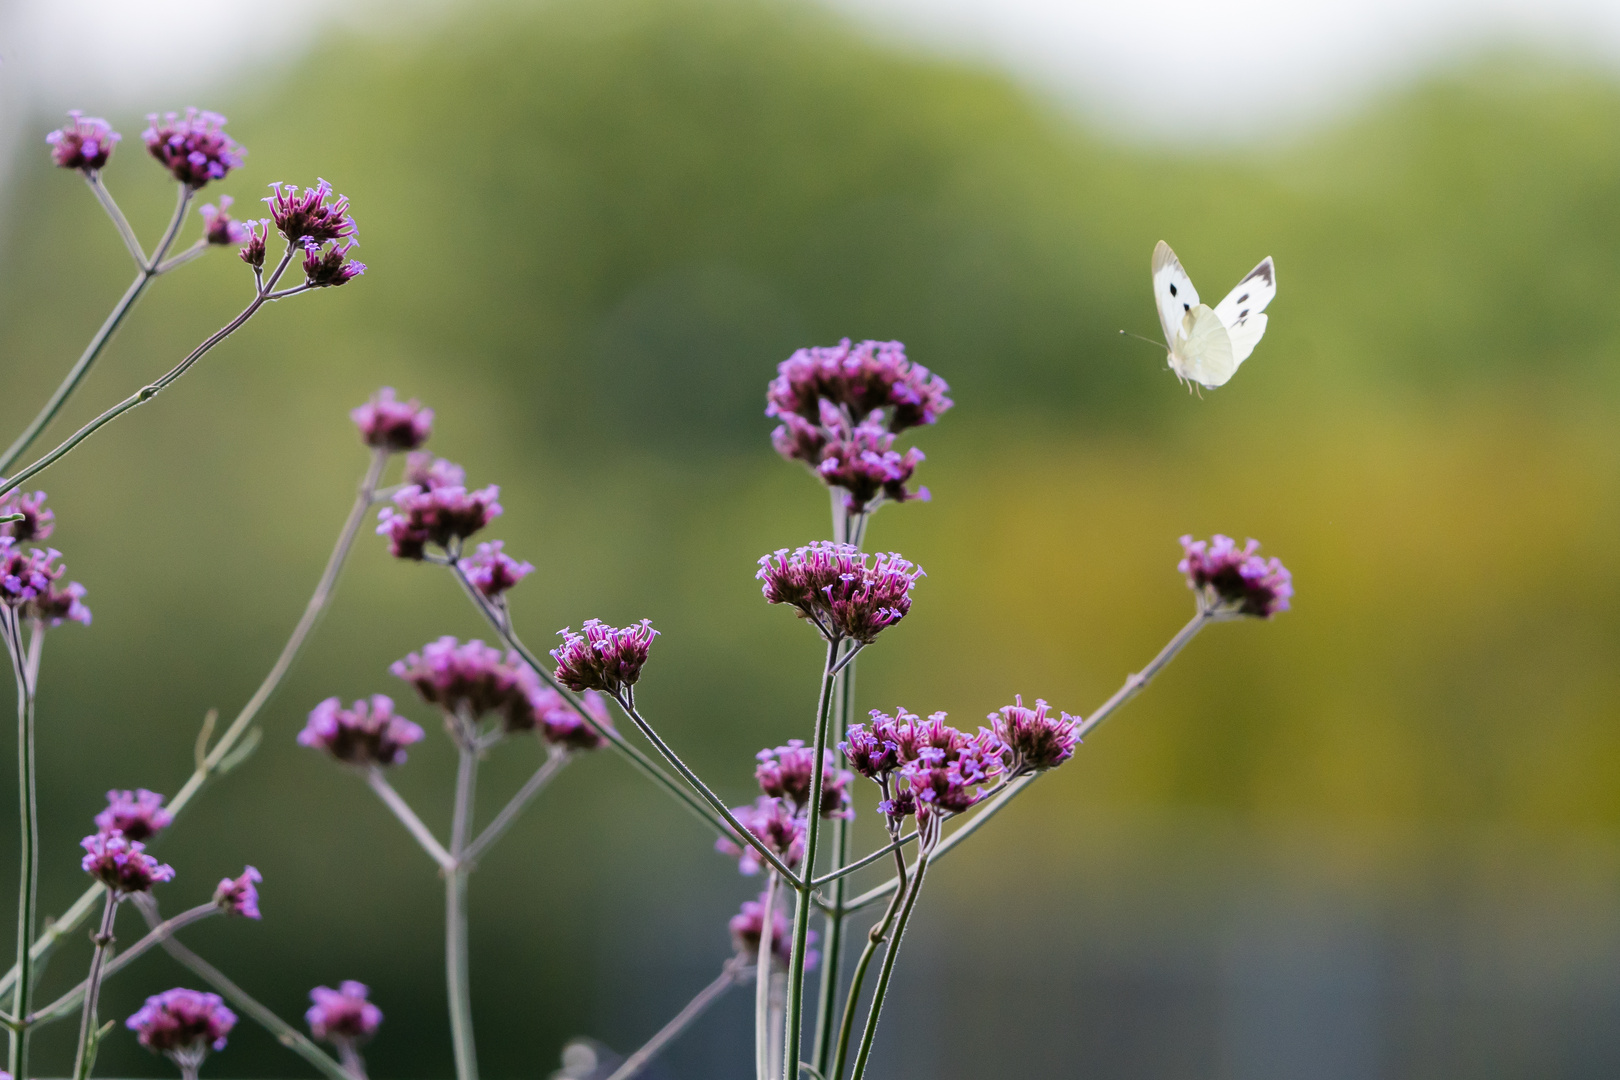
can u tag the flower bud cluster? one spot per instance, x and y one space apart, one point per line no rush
774 823
240 895
343 1016
139 814
84 144
38 520
30 579
1031 739
843 591
121 864
193 147
219 228
317 220
387 423
364 735
839 410
924 767
603 657
435 508
787 771
183 1024
492 571
748 925
1231 581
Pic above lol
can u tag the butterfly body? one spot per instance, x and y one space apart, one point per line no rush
1207 344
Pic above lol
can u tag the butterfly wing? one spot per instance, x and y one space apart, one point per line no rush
1204 351
1173 292
1241 311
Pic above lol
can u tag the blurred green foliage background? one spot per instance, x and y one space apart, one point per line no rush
1374 838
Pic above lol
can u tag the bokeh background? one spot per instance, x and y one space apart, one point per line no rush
1376 838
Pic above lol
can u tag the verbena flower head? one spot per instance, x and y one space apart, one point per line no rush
138 814
122 864
218 225
786 772
1032 739
329 265
473 680
343 1016
312 216
38 521
252 253
438 515
560 724
193 147
603 657
184 1024
85 143
30 581
367 734
1231 581
240 895
934 767
428 472
492 571
749 923
862 462
774 823
869 751
861 380
387 423
843 591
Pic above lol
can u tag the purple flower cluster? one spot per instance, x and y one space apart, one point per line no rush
775 825
138 814
492 571
786 773
363 735
343 1016
182 1023
240 895
29 582
122 864
258 233
748 925
843 591
38 521
311 217
603 657
434 508
85 143
219 227
840 409
561 725
330 265
193 147
925 767
1235 581
386 423
1031 739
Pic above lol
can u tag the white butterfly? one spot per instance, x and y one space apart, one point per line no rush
1206 346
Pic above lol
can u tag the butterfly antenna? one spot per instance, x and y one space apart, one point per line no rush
1139 337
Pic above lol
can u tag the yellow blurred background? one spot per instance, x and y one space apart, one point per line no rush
1373 838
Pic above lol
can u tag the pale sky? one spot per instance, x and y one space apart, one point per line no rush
1170 70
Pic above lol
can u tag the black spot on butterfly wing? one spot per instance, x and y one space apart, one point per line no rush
1186 307
1261 271
1242 298
1172 288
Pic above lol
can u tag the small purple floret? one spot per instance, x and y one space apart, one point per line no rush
747 924
330 265
786 772
312 216
239 895
85 143
138 814
492 571
122 864
252 253
363 735
386 423
1033 739
38 521
603 657
1233 581
843 591
343 1016
184 1024
775 824
194 147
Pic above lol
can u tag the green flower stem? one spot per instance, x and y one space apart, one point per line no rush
407 817
76 374
455 919
874 941
62 1007
716 815
859 864
812 836
92 993
764 1068
682 1020
25 665
881 990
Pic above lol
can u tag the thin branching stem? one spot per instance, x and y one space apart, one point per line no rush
764 1067
682 1020
875 939
407 817
63 1006
553 765
92 984
455 918
26 669
881 990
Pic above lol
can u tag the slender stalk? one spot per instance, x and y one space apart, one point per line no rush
553 765
874 940
285 1033
764 1069
812 836
455 920
151 390
862 863
402 810
195 251
881 990
28 814
682 1020
81 908
63 1005
353 1063
103 335
722 822
92 993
